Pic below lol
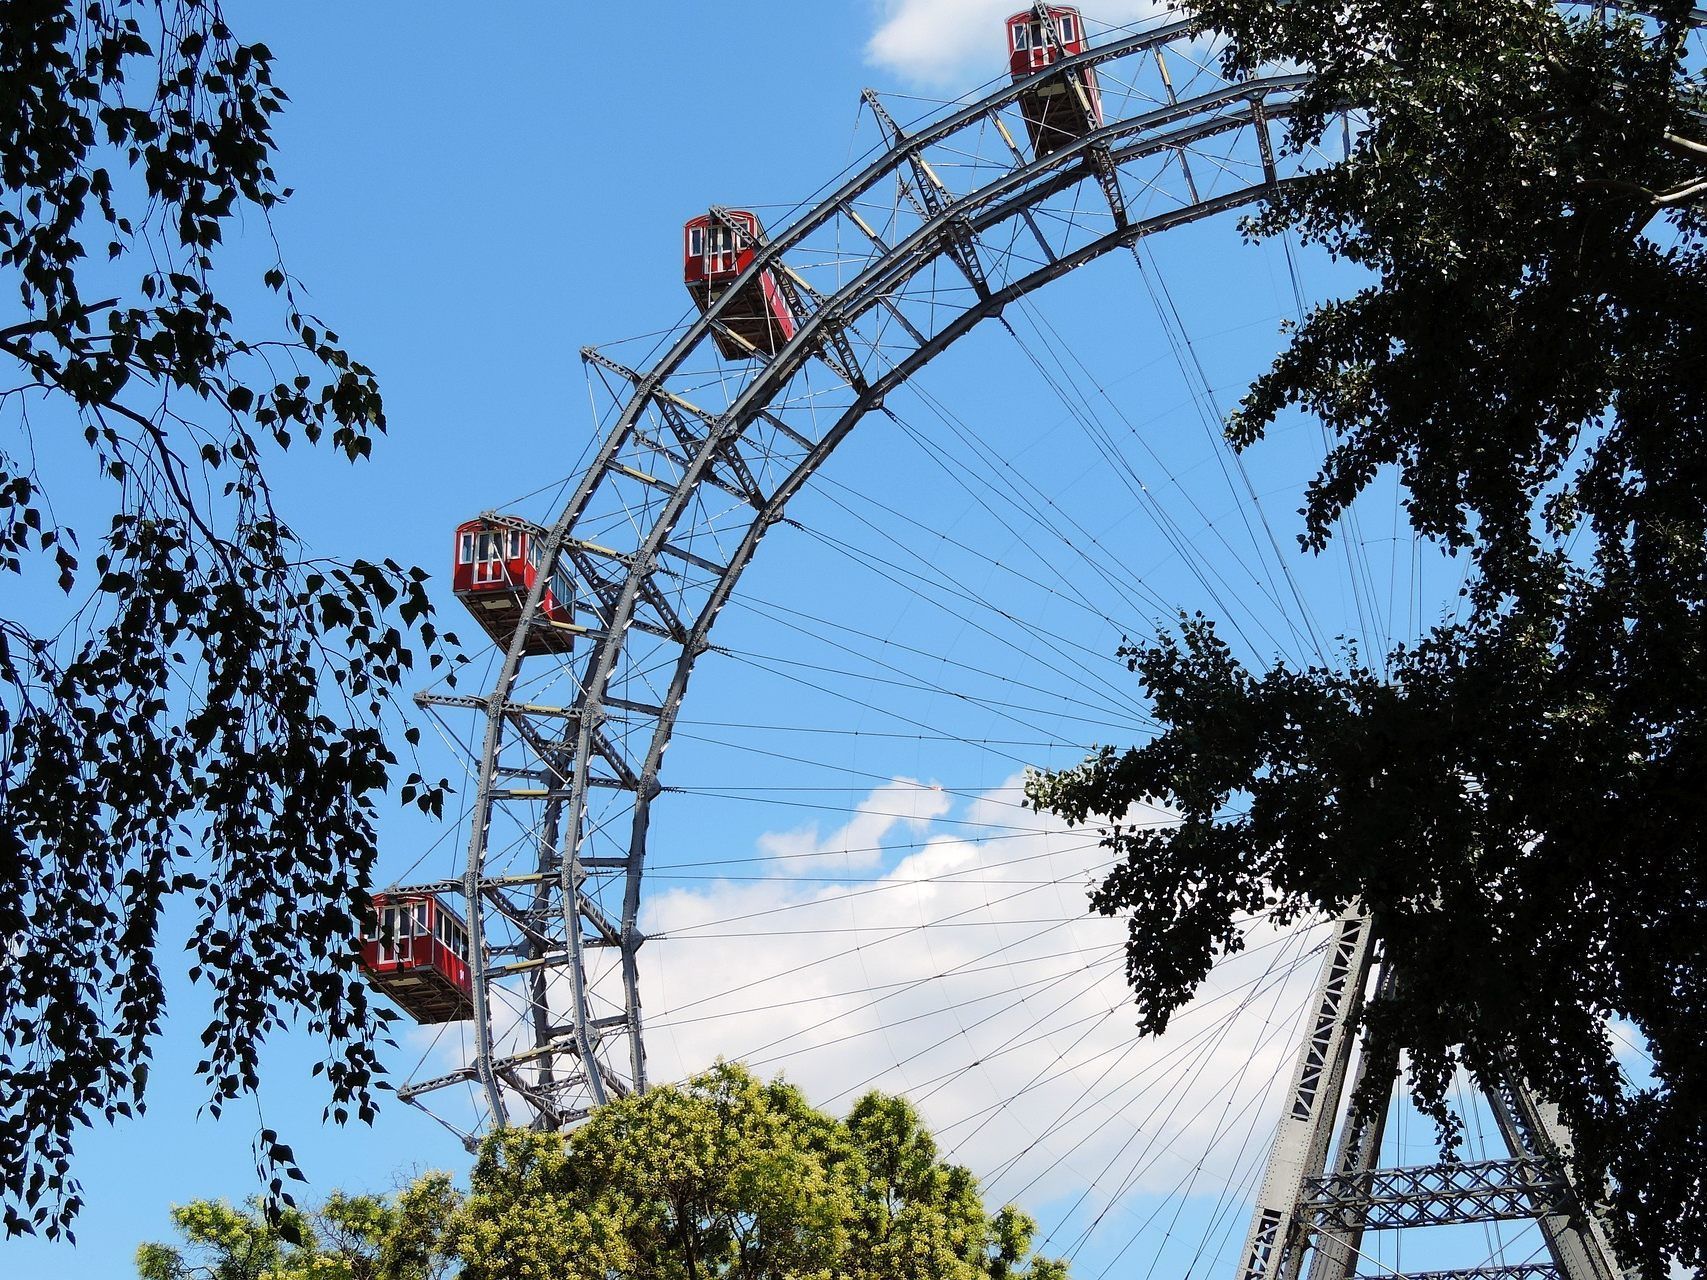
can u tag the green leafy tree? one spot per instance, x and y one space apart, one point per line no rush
347 1238
727 1176
917 1216
201 723
1520 801
724 1176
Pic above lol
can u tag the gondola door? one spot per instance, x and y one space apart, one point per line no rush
489 557
720 256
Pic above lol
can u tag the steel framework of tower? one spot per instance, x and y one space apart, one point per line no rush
1309 1213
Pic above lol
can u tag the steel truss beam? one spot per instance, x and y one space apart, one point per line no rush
1274 1246
1098 158
1434 1195
1305 1214
928 196
838 352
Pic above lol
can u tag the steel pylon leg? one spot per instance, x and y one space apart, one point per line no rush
1306 1215
1275 1246
1338 1246
1577 1241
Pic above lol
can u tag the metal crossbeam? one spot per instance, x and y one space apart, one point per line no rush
735 479
887 303
931 198
1108 178
1099 159
1184 164
739 479
498 520
608 751
649 385
1265 144
1049 254
1517 1271
1433 1195
609 594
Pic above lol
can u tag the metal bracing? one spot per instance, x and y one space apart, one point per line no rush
928 196
837 351
1338 1245
687 490
1097 157
1306 1214
1172 97
1434 1195
1577 1240
1274 1247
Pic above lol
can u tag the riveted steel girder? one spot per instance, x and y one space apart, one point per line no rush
1433 1195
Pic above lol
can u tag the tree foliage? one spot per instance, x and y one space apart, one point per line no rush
1519 801
346 1238
724 1176
727 1176
200 721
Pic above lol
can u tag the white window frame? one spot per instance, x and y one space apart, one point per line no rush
720 250
1066 28
388 939
1021 37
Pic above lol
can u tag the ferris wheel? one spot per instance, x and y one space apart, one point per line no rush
605 612
537 954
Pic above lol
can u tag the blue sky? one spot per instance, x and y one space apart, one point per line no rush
478 197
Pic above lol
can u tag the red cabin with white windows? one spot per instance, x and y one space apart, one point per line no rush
1068 106
717 248
417 954
497 563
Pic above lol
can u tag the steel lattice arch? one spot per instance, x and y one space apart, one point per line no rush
571 763
944 227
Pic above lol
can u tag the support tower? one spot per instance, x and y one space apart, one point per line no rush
1309 1215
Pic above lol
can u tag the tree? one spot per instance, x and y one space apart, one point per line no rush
202 723
727 1176
723 1176
347 1238
1519 803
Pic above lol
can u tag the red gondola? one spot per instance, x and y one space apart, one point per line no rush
496 566
417 955
1068 106
718 248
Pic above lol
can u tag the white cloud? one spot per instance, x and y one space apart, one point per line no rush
960 43
859 843
970 977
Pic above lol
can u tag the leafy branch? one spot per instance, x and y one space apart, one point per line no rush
197 747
